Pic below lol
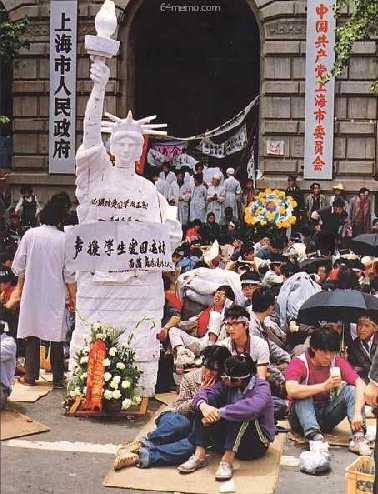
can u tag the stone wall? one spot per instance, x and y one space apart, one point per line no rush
282 103
283 32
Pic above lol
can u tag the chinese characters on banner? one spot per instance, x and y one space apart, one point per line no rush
320 95
118 246
232 145
169 149
63 27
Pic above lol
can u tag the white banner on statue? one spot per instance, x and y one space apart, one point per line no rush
320 95
234 144
63 34
118 246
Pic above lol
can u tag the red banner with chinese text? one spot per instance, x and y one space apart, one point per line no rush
95 376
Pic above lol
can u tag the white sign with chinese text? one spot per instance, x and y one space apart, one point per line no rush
275 148
320 95
118 246
62 129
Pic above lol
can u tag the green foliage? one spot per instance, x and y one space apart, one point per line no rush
361 25
13 37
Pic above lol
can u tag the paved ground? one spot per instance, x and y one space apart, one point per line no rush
54 472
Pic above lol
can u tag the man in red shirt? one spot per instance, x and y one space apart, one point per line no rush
209 327
324 390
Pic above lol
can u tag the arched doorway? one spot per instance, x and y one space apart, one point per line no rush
194 69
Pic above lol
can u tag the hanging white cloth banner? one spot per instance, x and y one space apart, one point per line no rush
226 127
184 160
154 158
251 166
207 146
234 144
118 246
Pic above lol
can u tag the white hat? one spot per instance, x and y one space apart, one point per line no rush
230 171
217 176
367 260
211 253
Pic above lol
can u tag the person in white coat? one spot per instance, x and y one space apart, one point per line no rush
215 198
43 281
210 172
198 200
158 182
232 192
167 178
121 298
179 196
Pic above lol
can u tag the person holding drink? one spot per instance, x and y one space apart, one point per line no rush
324 389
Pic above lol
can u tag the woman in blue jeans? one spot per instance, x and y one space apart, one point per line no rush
170 442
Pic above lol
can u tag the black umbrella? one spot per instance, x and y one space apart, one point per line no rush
338 305
365 244
311 265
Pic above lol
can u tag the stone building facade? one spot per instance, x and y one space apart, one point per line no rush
282 26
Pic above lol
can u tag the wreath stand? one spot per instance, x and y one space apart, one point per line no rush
75 410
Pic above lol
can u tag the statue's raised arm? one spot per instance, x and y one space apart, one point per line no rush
100 48
99 74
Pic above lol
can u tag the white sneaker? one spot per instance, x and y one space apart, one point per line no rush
224 471
360 446
192 464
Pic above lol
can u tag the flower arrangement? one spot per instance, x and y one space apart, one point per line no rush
272 208
120 374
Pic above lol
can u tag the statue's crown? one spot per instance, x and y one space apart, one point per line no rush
128 124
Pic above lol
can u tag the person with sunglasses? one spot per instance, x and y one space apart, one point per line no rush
235 415
170 443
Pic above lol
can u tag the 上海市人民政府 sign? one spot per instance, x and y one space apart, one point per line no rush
62 132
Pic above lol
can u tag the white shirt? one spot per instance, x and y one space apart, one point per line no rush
258 349
8 360
40 259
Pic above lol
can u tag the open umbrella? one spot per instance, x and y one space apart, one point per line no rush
311 265
365 244
338 305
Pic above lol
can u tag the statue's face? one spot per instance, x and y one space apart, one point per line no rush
126 147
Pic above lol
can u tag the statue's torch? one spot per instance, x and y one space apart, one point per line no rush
105 23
